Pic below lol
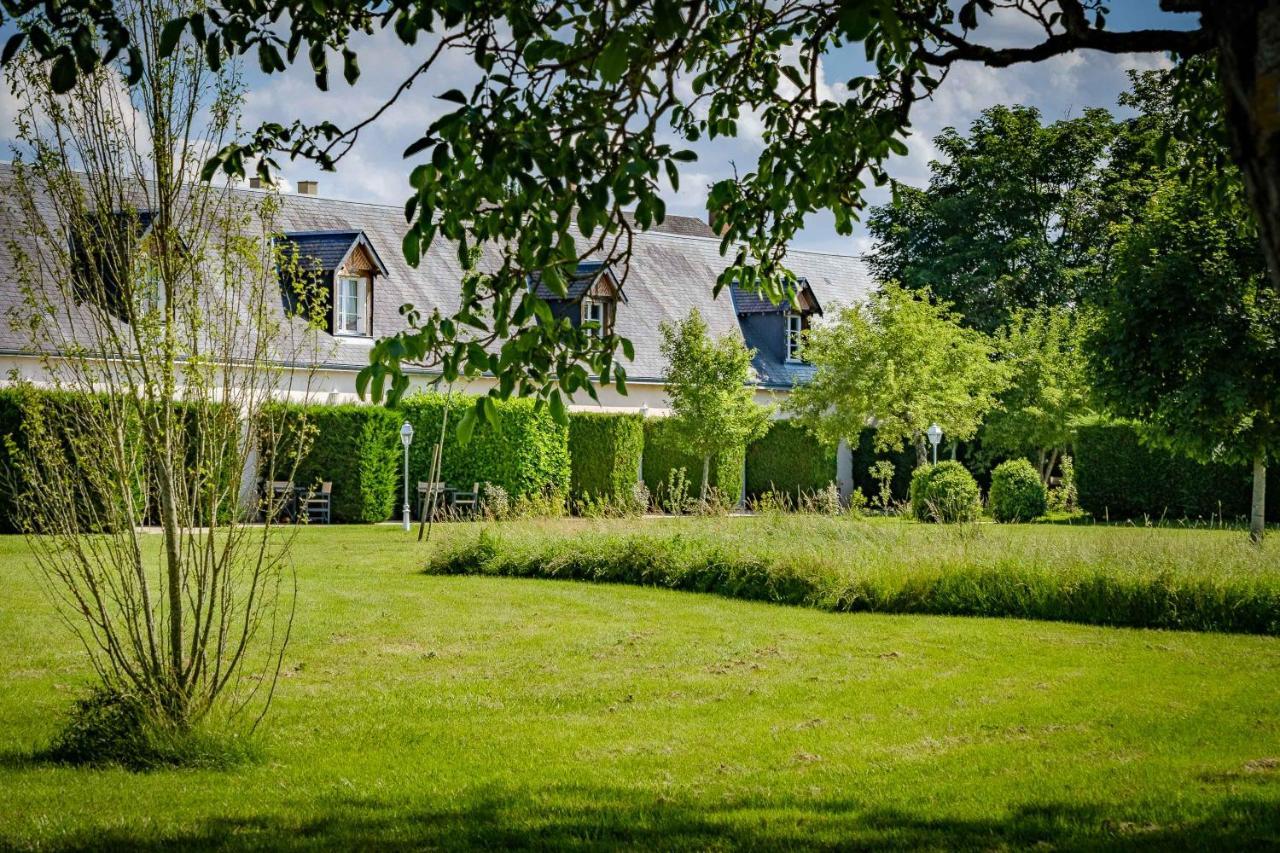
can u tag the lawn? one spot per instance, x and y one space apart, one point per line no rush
421 710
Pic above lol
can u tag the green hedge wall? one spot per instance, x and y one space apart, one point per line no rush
865 455
789 458
358 449
1119 477
604 454
10 426
530 455
664 451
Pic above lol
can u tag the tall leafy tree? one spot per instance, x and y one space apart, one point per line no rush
1048 391
900 362
573 120
1009 219
710 390
1189 336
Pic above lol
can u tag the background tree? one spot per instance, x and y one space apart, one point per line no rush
1008 221
571 122
156 309
1188 338
902 362
1048 391
710 390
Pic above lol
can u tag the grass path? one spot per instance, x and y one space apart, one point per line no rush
458 711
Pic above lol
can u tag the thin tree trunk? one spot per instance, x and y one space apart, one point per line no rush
1047 474
706 476
1258 514
922 451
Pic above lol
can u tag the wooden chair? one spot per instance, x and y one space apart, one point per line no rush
320 503
425 490
467 501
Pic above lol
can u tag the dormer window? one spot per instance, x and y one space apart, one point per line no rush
796 324
597 315
352 307
329 277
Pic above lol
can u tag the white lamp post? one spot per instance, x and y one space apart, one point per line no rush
935 438
406 438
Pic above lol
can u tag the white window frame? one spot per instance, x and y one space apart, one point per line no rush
341 306
595 311
795 336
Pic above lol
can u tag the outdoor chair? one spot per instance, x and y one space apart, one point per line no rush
425 490
467 501
319 503
284 500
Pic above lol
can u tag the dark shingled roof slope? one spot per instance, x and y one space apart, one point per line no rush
326 250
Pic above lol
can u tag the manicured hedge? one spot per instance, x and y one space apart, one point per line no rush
357 448
528 456
604 454
789 459
10 426
1120 477
664 451
865 455
1016 492
945 493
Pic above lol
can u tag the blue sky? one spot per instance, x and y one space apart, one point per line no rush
375 171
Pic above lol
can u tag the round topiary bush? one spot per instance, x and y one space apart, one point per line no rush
1016 492
945 492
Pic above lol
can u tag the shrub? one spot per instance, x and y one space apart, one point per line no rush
1118 476
494 502
528 456
114 728
1016 492
604 454
788 459
945 492
357 448
665 452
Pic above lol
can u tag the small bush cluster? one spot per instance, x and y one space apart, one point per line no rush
945 493
1016 492
114 728
823 501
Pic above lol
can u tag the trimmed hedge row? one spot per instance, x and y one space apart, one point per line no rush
528 456
788 458
355 447
10 427
605 451
1119 477
664 452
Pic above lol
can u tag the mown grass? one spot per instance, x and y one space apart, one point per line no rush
1207 580
425 711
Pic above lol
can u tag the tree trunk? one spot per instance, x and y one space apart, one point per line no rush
1258 513
1047 474
1248 38
922 450
706 475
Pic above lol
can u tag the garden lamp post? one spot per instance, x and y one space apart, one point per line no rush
406 438
935 438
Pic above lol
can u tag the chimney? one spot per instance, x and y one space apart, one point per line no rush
255 183
308 187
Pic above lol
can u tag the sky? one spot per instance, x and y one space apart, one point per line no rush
375 171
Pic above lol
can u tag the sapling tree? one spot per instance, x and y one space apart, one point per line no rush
154 320
1048 391
710 391
898 362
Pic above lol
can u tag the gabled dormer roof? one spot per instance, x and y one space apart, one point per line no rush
751 302
586 279
326 251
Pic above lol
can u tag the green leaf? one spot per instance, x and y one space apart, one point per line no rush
455 96
412 246
612 61
558 411
63 75
350 67
170 35
466 427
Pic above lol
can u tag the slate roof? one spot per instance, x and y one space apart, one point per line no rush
579 283
673 269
